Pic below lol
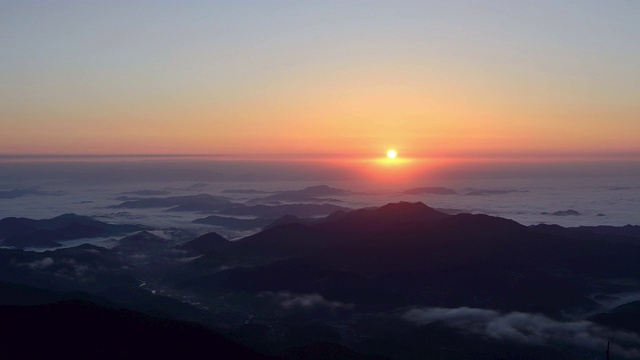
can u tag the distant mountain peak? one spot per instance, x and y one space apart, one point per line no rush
70 216
316 193
429 190
142 237
409 210
287 219
205 243
144 234
393 214
405 206
318 187
320 190
322 187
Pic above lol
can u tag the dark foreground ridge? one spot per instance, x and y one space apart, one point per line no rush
74 329
47 233
402 281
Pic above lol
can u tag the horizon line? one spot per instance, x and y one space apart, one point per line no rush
551 157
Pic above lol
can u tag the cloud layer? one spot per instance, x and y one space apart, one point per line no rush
305 301
534 329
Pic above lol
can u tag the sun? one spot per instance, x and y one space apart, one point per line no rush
391 154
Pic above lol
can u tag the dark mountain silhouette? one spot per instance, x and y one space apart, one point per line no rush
50 238
269 245
217 202
146 252
610 234
289 219
626 317
15 226
22 295
318 193
244 191
24 232
147 192
293 239
144 301
389 217
627 230
196 186
268 215
325 351
16 193
204 206
233 223
132 298
92 331
142 241
85 268
276 211
425 257
429 190
438 342
565 213
115 295
350 278
482 192
300 277
205 243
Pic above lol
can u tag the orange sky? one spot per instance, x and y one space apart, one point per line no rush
339 79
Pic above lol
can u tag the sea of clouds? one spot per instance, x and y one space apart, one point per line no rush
614 202
525 328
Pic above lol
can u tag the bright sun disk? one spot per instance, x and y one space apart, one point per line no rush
391 154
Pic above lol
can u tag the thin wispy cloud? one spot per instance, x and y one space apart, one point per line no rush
290 300
525 328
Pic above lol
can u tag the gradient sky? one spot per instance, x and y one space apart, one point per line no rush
345 78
